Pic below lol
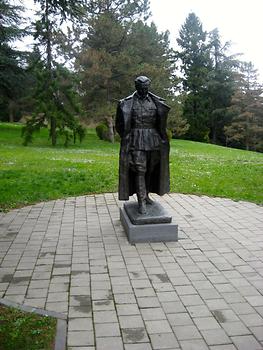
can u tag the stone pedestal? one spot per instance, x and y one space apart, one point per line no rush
155 226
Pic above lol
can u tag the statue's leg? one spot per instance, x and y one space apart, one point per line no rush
139 159
141 192
153 159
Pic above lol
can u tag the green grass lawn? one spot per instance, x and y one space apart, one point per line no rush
26 331
39 172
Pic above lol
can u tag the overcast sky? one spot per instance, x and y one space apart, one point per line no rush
238 21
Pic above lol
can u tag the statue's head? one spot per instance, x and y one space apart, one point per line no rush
142 84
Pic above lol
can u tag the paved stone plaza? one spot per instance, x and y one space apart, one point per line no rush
203 292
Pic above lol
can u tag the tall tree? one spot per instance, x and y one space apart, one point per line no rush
220 85
11 59
246 111
51 94
195 64
123 10
118 47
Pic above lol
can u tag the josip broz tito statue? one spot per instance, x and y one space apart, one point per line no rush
144 153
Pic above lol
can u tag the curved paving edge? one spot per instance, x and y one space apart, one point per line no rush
71 256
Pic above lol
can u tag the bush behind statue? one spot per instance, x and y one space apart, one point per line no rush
105 131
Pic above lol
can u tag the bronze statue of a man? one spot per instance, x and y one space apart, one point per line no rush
144 153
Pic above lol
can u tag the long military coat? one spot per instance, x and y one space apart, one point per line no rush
160 179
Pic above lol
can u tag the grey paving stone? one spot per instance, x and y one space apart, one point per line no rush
81 348
109 343
255 300
246 342
103 305
127 309
80 338
216 337
151 314
173 307
107 330
16 298
125 298
131 321
80 300
186 332
251 320
36 302
205 323
105 316
134 335
80 324
179 319
217 304
198 311
196 344
59 297
57 306
80 311
257 332
242 308
158 326
191 300
144 346
235 328
163 341
223 347
233 297
146 302
167 296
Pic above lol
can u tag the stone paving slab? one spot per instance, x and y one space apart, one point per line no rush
203 292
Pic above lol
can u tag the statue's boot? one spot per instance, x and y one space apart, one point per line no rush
141 193
147 183
148 200
142 207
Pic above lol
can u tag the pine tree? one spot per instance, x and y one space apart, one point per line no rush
51 93
220 86
176 123
117 48
246 111
11 59
195 64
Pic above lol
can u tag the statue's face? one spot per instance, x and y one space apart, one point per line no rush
142 89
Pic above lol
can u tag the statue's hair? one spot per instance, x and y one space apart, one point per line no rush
142 79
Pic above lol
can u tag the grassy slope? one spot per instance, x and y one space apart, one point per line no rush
40 172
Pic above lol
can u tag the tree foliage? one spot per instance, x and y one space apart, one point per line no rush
220 85
54 96
195 64
115 50
246 127
11 60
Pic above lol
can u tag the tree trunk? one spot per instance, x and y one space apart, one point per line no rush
214 135
53 124
11 108
109 121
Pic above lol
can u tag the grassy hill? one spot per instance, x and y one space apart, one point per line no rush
39 172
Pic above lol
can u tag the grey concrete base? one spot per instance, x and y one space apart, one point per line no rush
165 232
156 214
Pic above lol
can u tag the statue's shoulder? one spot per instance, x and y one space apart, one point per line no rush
159 100
126 99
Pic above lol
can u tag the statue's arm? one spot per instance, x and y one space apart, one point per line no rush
119 123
